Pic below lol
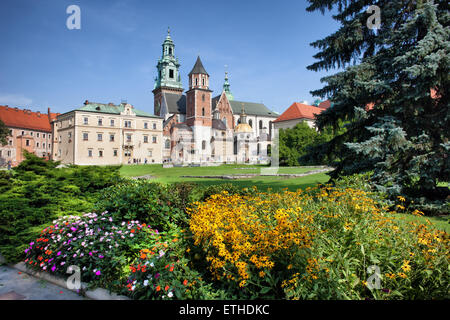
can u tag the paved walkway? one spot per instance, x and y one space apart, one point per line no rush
16 285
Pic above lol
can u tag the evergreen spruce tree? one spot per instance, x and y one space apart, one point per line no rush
392 90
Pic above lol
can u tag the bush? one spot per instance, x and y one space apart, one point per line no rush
152 203
318 244
36 192
162 271
97 244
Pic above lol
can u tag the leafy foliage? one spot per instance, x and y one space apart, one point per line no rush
393 92
36 192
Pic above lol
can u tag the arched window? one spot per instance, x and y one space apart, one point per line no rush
203 97
196 81
203 112
203 145
170 51
250 122
203 81
260 124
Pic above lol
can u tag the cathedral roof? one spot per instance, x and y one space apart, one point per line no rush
198 68
252 108
175 103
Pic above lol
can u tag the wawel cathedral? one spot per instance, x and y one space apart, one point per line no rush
200 128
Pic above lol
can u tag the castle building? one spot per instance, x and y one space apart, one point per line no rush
200 128
107 134
28 130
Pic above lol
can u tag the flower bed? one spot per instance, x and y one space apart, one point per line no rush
318 244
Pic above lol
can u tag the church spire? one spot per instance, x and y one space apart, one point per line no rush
226 87
168 66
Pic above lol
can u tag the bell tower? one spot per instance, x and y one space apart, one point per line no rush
168 78
198 105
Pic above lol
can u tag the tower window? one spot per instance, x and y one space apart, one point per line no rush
170 51
203 111
203 81
203 97
171 75
196 82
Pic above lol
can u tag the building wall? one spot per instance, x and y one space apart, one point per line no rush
39 143
288 124
92 143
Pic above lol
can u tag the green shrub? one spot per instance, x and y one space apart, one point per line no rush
36 192
142 200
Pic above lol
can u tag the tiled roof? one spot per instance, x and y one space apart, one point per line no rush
299 111
26 119
112 109
325 104
252 108
198 68
175 103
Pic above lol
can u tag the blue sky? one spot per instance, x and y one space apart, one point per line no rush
113 57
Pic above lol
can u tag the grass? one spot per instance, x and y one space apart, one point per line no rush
440 222
170 175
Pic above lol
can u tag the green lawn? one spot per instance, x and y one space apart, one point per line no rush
170 175
442 222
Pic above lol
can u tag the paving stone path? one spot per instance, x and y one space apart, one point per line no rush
16 285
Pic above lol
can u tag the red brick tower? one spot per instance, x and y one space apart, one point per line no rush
198 104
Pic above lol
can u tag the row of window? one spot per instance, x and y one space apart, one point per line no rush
31 133
112 137
115 153
127 123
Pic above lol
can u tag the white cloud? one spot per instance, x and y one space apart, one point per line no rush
14 100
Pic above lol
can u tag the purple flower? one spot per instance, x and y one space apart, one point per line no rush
73 229
100 256
157 275
90 253
98 273
59 253
53 268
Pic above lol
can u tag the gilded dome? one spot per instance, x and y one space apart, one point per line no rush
243 127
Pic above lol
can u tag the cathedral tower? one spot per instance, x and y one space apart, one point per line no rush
168 78
198 112
198 106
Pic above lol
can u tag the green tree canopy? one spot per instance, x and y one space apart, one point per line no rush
402 71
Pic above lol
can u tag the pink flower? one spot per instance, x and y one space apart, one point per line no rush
53 268
98 273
